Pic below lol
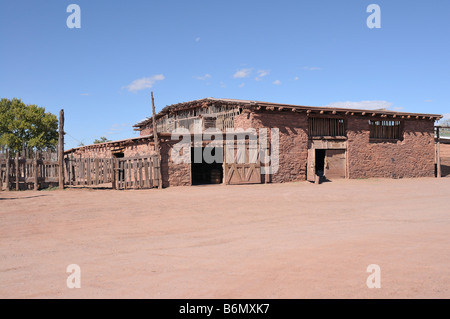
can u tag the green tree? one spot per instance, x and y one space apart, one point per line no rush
102 139
27 125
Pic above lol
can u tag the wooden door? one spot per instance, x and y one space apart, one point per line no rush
311 165
335 164
241 164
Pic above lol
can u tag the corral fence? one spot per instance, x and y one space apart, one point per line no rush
138 172
88 171
28 170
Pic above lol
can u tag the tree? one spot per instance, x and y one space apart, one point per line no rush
27 125
102 139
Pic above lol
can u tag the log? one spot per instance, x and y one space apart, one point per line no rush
115 175
7 172
36 171
61 150
438 154
16 163
155 139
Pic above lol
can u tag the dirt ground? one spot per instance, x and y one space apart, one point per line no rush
295 240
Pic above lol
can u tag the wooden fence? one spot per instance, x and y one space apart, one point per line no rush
136 172
25 173
121 173
88 171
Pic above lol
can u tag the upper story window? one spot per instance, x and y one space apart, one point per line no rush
326 126
385 129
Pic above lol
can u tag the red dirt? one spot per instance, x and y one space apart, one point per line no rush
295 240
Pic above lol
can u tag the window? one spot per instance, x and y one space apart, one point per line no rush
388 130
326 127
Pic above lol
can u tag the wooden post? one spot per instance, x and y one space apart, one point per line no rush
61 150
1 175
115 173
16 163
438 153
7 172
155 139
36 172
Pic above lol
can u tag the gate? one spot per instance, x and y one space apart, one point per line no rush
88 171
137 172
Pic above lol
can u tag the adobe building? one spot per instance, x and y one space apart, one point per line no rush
313 141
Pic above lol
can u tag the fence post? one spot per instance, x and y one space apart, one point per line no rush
1 175
36 172
7 172
438 153
115 173
61 150
16 163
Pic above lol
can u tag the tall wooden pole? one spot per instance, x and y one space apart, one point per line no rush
16 164
61 150
438 153
156 141
8 171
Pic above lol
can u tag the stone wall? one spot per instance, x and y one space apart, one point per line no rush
293 141
173 174
413 156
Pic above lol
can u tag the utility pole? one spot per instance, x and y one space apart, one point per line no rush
156 141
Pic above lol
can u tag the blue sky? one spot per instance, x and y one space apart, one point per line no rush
300 52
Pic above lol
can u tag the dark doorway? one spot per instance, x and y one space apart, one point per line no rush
121 171
320 162
207 173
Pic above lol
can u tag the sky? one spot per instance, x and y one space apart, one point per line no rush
315 53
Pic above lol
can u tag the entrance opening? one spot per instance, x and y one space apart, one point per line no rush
207 173
121 172
320 162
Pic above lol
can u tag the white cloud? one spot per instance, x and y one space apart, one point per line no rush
261 74
203 77
276 82
241 85
428 101
197 39
296 78
242 73
84 94
223 85
143 83
365 105
312 68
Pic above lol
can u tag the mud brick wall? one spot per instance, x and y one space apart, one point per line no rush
139 149
146 131
413 156
293 140
97 152
173 174
105 151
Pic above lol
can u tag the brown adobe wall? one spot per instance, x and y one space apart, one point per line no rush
146 131
444 150
293 140
411 157
173 174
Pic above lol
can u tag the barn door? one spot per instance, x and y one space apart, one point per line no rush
335 164
241 164
311 165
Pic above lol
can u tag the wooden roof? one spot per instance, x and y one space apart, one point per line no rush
259 105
